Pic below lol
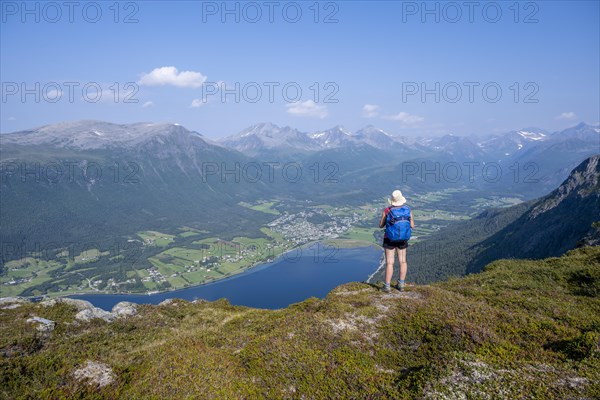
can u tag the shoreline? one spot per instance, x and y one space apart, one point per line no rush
254 268
381 267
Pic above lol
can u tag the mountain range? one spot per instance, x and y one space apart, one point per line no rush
266 137
531 161
92 180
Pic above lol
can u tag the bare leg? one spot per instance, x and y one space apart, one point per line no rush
403 263
389 264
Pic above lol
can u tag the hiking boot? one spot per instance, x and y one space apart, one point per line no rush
386 289
400 286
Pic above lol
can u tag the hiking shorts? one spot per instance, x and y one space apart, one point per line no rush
388 244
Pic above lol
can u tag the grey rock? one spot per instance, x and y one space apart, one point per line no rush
96 374
124 309
11 306
13 300
79 304
43 324
95 312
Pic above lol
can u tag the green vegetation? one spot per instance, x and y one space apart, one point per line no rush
184 256
263 206
152 238
159 261
210 259
25 273
191 232
187 231
89 255
362 234
520 329
167 259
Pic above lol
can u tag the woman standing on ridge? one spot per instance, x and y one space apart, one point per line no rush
398 222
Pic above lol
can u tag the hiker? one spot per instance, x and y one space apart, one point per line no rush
398 222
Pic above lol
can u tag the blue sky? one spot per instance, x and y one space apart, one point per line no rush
411 68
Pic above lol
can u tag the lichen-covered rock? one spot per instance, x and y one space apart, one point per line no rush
79 304
43 324
166 302
11 306
9 300
9 303
176 302
124 309
95 373
94 312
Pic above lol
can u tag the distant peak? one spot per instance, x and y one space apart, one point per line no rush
338 128
370 129
93 134
265 125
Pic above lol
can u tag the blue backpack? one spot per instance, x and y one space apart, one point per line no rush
397 224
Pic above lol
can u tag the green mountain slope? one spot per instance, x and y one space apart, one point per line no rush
54 193
540 228
520 329
554 224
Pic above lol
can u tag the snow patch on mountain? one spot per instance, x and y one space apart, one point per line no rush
532 135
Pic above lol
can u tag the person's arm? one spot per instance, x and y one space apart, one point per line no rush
382 220
412 221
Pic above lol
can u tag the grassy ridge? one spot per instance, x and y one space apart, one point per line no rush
520 329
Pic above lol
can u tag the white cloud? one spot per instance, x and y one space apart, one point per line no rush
197 103
568 116
306 108
147 104
370 110
171 76
405 118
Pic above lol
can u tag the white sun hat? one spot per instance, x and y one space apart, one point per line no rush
397 199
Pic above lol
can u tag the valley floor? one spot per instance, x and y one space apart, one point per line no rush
154 261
